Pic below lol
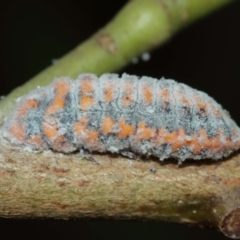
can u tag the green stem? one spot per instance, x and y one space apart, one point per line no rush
140 26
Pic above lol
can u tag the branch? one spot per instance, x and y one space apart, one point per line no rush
140 26
57 185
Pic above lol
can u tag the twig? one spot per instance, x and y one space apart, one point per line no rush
140 26
54 185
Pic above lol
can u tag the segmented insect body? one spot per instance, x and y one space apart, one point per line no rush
124 115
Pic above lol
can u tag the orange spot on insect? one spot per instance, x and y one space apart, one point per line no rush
87 93
160 134
170 137
185 102
180 139
18 131
128 94
126 100
125 129
49 130
92 136
216 142
61 88
80 125
213 143
200 104
144 133
109 93
107 125
87 85
174 139
61 142
215 111
86 102
28 104
194 144
35 139
82 132
165 93
147 93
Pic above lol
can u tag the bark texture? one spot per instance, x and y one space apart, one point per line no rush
54 185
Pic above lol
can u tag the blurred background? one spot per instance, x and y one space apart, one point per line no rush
205 55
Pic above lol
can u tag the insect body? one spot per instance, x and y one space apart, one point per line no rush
124 115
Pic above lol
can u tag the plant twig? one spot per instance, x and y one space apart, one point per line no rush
54 185
140 26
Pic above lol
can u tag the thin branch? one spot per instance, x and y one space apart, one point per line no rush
140 26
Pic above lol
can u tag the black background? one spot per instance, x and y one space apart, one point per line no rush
205 55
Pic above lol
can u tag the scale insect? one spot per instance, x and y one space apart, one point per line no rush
126 115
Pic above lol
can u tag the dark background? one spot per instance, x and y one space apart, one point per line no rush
205 56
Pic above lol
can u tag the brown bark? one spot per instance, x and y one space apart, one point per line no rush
54 185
